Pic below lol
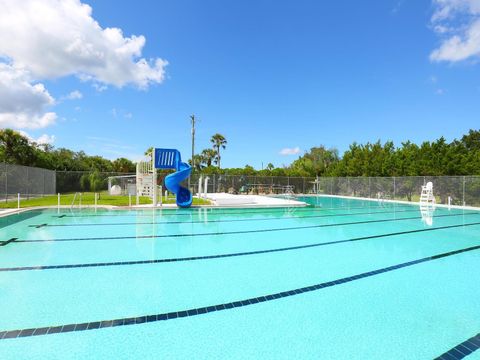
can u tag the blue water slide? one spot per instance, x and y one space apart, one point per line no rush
171 159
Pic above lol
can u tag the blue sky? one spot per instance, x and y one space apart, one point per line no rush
270 75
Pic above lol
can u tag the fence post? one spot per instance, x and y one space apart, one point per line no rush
370 187
28 185
95 195
394 188
6 183
58 201
18 200
463 191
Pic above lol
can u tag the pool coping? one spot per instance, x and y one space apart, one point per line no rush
466 207
12 211
9 212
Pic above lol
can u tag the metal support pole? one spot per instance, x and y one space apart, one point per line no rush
154 180
18 200
205 188
200 186
192 119
161 198
58 202
129 200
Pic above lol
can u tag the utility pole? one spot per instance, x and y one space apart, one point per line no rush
192 120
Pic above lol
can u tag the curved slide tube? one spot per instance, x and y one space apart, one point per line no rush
172 182
171 159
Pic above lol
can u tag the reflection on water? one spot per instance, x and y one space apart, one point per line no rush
427 214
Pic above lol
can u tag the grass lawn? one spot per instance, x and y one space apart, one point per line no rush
88 199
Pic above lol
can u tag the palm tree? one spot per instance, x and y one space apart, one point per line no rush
199 162
208 156
218 141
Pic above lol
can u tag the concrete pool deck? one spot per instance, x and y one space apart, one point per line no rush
230 200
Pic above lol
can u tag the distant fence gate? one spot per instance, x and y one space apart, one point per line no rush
26 181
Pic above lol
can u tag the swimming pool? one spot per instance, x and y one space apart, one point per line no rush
341 279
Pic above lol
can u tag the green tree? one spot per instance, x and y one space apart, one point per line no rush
219 142
208 156
123 165
148 151
16 149
96 181
199 162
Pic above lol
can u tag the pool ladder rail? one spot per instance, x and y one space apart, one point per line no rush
79 200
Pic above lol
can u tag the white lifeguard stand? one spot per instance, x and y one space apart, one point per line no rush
146 178
426 196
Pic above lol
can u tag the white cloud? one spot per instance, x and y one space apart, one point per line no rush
74 95
290 151
457 22
46 139
99 88
23 103
41 140
116 113
113 148
56 38
50 39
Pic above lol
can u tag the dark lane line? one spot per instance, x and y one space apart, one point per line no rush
9 334
462 350
6 242
236 232
194 211
207 257
222 221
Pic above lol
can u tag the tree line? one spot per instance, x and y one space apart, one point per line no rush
433 158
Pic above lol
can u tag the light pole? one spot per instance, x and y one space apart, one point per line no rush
192 120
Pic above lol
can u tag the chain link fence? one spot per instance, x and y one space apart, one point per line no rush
245 184
460 190
84 181
26 181
35 182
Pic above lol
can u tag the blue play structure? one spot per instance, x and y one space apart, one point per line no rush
171 159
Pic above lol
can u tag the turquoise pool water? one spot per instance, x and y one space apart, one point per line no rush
341 279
